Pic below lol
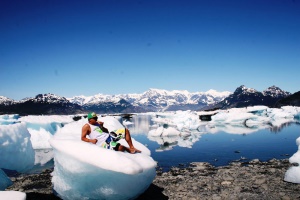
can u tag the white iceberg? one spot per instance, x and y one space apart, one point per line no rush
85 171
16 148
43 127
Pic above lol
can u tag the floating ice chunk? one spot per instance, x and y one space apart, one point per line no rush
85 171
180 119
257 109
16 148
40 138
12 195
8 119
47 119
43 127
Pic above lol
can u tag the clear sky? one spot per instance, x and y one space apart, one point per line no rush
73 47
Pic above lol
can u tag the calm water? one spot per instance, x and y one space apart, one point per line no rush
220 148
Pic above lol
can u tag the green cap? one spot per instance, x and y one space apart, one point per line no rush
91 115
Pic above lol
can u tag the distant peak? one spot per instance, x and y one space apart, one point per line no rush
244 89
275 91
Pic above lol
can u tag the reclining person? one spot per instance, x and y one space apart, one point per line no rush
100 136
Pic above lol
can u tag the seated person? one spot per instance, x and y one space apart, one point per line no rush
100 136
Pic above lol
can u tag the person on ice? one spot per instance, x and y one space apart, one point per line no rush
100 136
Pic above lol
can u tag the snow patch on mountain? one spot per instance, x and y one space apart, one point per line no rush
6 101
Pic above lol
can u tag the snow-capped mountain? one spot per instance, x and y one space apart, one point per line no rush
6 101
152 100
275 92
41 104
156 99
243 97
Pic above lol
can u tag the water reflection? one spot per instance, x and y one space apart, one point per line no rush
277 129
138 124
163 130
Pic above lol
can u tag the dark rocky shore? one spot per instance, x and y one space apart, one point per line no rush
238 180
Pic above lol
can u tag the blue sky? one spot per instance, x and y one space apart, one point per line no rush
88 47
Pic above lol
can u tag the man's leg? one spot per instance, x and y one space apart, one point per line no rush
132 149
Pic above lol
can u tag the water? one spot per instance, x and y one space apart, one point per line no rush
220 148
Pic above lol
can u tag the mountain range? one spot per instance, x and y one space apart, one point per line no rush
243 97
153 100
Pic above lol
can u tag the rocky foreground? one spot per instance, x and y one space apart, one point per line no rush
238 180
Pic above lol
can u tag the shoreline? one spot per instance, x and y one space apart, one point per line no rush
199 180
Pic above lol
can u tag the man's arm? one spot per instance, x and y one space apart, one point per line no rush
102 127
84 133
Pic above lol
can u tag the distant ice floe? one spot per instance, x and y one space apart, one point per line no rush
171 129
235 120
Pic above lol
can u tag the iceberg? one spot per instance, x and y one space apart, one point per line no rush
85 171
43 127
8 119
16 148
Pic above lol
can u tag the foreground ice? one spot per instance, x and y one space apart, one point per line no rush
85 171
293 173
16 148
12 195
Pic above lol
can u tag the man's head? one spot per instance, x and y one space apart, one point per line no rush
92 116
